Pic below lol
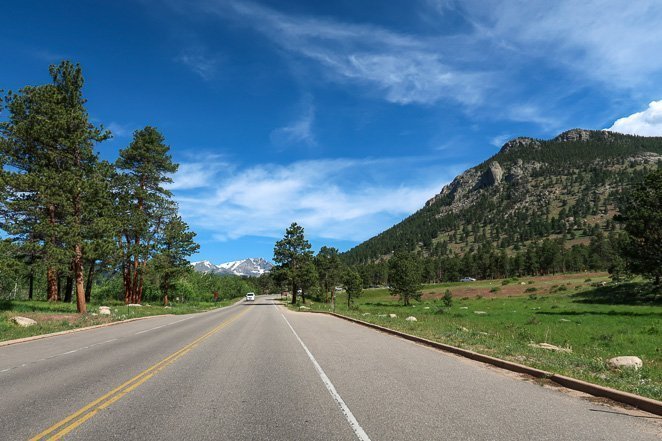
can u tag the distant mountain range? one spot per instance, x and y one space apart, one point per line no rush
252 267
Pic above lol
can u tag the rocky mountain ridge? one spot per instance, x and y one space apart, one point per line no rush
565 187
251 267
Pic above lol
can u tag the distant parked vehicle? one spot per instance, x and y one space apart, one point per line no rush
467 279
250 297
338 288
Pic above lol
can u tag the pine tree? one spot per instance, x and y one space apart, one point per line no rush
174 246
289 254
404 277
143 204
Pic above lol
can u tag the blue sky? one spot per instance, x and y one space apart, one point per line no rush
344 116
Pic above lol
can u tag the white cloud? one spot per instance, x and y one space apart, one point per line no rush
299 131
120 130
403 68
500 140
201 64
331 198
646 123
613 41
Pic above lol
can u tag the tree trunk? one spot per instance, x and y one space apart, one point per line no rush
78 275
30 285
90 278
52 291
68 287
59 285
165 290
294 294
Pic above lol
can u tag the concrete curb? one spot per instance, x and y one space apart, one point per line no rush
642 403
103 325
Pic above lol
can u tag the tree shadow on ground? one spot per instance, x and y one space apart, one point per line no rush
622 294
612 313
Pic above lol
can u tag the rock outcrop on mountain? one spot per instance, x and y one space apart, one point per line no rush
565 187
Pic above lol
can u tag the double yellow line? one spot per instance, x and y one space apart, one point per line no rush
61 428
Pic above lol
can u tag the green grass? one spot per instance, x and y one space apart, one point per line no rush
596 323
59 316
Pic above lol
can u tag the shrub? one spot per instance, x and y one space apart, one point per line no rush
531 289
448 298
495 289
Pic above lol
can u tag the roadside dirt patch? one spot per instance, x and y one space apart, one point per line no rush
542 284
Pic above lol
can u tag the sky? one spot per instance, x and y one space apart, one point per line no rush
343 116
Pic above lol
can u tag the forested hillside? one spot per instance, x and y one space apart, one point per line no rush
535 207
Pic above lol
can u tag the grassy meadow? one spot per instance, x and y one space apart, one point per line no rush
590 319
59 316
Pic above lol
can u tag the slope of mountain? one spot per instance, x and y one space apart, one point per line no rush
252 267
564 188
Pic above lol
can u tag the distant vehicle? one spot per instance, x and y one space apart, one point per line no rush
467 279
338 288
250 296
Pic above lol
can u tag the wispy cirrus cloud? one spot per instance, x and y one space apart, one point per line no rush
645 123
201 64
299 131
612 41
262 200
404 69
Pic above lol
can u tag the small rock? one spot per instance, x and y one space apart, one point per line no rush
427 307
23 322
549 347
94 314
365 313
167 307
463 329
629 362
381 315
303 307
104 310
393 315
480 312
564 320
483 333
134 305
411 318
464 307
522 283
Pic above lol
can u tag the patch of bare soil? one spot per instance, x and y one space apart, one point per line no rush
541 283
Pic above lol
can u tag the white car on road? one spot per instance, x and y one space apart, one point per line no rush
250 296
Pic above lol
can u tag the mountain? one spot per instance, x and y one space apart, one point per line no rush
565 188
252 267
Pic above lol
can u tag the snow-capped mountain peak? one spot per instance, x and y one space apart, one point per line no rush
254 266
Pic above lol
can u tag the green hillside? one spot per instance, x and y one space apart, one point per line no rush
558 193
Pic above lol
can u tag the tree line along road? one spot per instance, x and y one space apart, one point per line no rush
260 372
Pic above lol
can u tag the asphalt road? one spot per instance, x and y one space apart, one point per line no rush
259 372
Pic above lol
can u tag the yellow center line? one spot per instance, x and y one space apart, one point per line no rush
88 411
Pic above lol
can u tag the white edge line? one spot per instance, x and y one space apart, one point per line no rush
349 416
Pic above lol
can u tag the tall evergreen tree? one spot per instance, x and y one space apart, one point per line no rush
174 246
642 215
328 266
48 141
291 253
143 204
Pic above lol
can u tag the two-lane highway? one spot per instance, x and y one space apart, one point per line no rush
255 371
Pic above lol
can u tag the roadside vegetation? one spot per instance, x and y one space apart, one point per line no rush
55 317
589 323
